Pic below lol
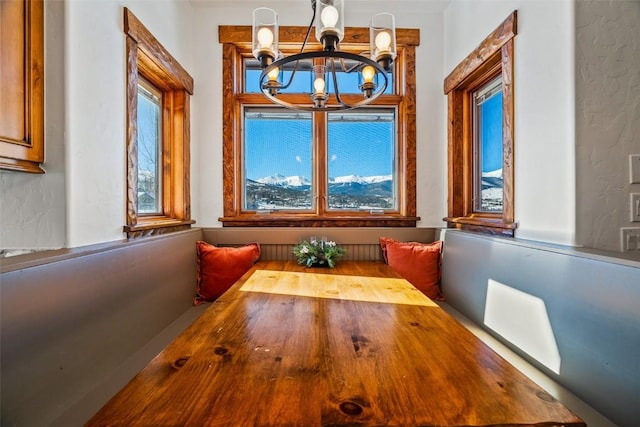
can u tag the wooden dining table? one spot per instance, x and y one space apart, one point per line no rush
355 345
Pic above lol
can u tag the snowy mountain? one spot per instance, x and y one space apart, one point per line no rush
301 181
493 174
285 181
345 192
492 179
351 179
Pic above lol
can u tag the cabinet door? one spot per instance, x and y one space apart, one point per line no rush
22 83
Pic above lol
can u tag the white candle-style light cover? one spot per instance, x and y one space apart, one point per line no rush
329 23
319 85
265 35
382 39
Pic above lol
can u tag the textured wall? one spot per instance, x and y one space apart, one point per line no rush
95 125
32 208
607 117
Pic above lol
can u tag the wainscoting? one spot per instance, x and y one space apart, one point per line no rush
571 313
78 324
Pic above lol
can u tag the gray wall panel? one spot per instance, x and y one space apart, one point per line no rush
593 305
66 325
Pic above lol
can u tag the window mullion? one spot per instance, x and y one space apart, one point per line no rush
320 174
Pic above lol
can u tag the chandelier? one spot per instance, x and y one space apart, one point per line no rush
371 67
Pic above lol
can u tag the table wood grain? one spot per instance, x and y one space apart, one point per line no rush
353 345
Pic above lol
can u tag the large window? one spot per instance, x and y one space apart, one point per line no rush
480 136
360 161
286 167
158 91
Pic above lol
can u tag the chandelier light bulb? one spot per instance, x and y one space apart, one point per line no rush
368 73
329 16
383 41
265 37
319 85
273 74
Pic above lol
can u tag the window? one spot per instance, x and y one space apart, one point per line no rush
284 167
480 136
149 149
487 147
361 163
158 91
22 83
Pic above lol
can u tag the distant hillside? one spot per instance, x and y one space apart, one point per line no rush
294 192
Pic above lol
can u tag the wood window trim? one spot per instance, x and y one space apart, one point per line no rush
148 58
25 152
236 41
492 57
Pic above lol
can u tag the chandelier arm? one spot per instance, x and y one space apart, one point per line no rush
343 66
322 54
293 74
335 84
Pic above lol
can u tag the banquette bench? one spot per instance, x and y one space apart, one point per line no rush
78 324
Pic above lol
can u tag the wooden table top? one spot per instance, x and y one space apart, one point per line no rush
353 345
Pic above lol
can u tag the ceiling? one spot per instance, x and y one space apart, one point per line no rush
429 6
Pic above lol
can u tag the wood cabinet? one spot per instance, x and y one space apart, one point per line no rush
22 83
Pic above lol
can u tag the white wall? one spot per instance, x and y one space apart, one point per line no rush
544 105
81 199
95 105
607 117
32 207
431 131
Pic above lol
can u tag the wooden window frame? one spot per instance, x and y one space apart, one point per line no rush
236 41
146 57
493 57
25 152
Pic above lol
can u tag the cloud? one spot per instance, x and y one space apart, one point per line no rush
334 157
298 159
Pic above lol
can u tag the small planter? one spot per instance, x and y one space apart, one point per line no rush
319 265
318 253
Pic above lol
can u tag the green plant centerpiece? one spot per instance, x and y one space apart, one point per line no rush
318 252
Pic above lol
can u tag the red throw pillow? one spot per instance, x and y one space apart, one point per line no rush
384 241
419 263
221 267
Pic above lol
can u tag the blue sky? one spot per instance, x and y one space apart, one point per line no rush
284 147
492 133
147 134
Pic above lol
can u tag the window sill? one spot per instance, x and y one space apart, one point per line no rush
318 221
156 226
495 226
